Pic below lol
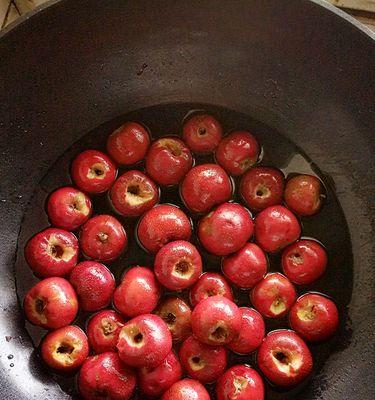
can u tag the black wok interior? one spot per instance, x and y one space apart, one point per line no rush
302 69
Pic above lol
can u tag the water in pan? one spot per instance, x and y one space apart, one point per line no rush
328 226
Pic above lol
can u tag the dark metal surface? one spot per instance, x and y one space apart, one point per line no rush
297 66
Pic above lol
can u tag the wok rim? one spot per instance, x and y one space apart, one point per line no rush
22 19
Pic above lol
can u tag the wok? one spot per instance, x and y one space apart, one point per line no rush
302 67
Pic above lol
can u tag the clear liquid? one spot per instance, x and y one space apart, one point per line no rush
329 226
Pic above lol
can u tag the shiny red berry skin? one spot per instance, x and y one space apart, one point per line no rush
201 361
65 349
262 187
186 389
93 171
52 252
226 229
204 187
273 296
240 382
133 194
251 333
216 321
68 208
168 161
103 238
284 358
304 261
202 133
103 330
94 284
303 194
138 292
163 224
237 152
144 341
176 314
178 265
246 267
105 376
275 228
314 317
153 382
51 303
210 284
128 144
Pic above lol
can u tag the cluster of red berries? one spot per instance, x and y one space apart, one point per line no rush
133 345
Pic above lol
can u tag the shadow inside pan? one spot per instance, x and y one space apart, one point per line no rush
329 226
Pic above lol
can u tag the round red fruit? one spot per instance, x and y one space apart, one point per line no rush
128 144
262 187
51 303
186 389
163 224
273 296
52 252
68 208
304 262
105 376
275 228
303 194
94 284
284 358
216 321
314 317
153 382
103 330
251 333
240 383
201 361
176 314
133 193
246 267
204 187
210 284
168 161
102 238
144 341
93 171
202 133
237 152
226 229
65 349
138 293
178 265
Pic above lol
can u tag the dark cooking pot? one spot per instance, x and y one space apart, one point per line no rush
302 67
